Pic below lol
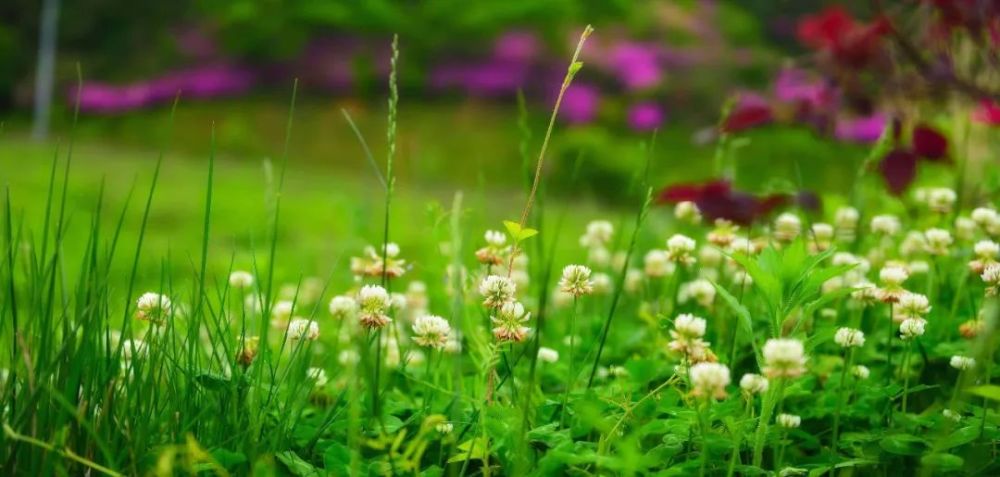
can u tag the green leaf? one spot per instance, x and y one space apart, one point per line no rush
337 458
903 444
212 382
474 448
988 391
942 461
297 465
513 228
228 458
745 319
961 437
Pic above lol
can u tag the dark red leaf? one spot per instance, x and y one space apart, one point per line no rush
899 168
928 143
746 117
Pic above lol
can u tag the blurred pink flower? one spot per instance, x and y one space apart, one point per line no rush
863 130
645 116
580 103
636 65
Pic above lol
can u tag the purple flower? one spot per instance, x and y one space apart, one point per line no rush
636 65
520 46
488 78
645 116
863 130
794 86
203 82
580 103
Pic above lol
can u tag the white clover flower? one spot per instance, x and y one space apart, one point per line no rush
986 249
343 307
497 291
134 349
679 249
938 241
240 279
951 415
913 305
152 307
300 328
547 355
913 244
348 357
495 238
962 363
918 267
846 222
822 236
701 291
985 218
602 283
576 280
742 245
789 421
912 328
318 375
598 256
865 292
787 226
709 380
892 278
444 428
431 331
633 280
657 264
753 383
742 278
509 322
887 225
849 338
991 276
598 234
941 199
453 345
710 256
965 228
687 211
690 326
861 371
784 358
282 310
373 304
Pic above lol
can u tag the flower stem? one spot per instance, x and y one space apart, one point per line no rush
570 365
766 411
906 374
848 362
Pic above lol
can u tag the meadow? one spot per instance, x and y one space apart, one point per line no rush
245 313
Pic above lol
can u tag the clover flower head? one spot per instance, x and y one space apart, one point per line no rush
343 307
509 323
701 291
849 338
301 328
962 363
724 234
912 328
152 307
431 331
913 305
709 380
687 325
951 415
680 248
887 225
789 421
547 355
784 358
861 371
938 241
576 280
991 276
373 304
657 264
240 279
318 376
754 383
787 226
598 234
497 291
687 211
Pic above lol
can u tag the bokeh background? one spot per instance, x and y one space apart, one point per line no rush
477 80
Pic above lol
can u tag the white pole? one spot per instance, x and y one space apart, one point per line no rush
45 71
